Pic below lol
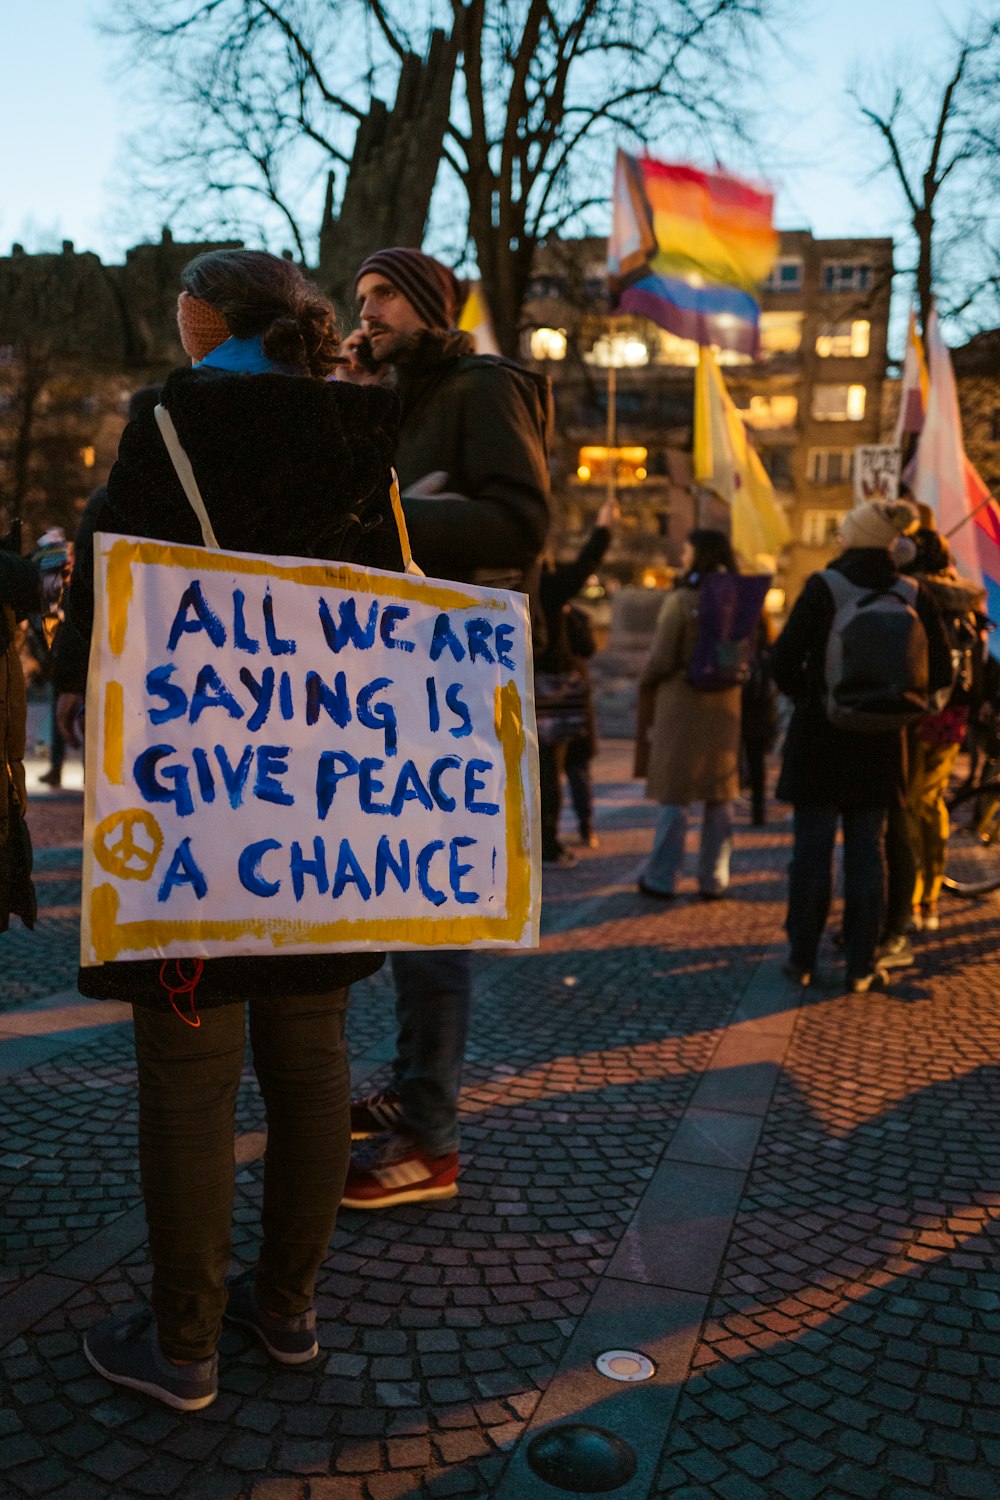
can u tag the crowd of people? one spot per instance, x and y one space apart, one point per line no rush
292 435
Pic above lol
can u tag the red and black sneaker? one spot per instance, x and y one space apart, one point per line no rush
395 1171
377 1114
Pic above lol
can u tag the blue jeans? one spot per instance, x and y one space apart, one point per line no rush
810 883
433 1000
667 853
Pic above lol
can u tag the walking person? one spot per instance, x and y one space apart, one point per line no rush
288 464
848 775
693 746
473 471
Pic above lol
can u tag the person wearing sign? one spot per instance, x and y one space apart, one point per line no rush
836 772
473 470
287 464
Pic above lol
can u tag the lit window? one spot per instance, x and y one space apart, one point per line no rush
628 464
548 343
838 403
675 351
846 276
621 350
780 332
820 527
88 457
845 340
786 274
768 412
831 465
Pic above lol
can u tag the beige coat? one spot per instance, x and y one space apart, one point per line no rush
693 739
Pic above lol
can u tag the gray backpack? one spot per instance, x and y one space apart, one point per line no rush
876 656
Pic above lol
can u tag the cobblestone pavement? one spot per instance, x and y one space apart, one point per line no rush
789 1205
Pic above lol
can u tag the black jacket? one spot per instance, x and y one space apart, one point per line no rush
822 764
561 583
481 421
286 466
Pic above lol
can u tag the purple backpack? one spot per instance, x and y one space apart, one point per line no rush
729 606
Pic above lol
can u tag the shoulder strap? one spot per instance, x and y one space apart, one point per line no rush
908 589
840 587
409 566
185 473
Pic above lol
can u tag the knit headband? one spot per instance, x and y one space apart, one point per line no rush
202 327
430 288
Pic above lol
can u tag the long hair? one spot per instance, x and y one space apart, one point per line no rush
713 553
258 293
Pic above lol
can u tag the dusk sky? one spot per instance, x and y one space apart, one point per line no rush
64 119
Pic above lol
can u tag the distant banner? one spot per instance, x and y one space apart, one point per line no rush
876 473
290 756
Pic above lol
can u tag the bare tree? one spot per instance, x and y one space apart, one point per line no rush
263 98
939 141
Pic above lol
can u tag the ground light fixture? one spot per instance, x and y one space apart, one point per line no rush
624 1364
581 1459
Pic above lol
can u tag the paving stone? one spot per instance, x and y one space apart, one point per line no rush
851 1332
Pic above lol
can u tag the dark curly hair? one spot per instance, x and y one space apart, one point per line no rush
258 293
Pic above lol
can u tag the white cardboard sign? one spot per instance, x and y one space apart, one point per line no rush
292 756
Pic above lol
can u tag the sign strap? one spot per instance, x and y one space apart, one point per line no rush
185 473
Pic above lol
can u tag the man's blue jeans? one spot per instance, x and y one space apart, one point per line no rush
810 883
433 1000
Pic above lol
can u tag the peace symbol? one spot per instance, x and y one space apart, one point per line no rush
120 850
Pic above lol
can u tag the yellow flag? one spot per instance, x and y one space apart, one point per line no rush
726 463
475 319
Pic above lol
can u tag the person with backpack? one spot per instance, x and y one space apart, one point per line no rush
689 739
859 656
935 740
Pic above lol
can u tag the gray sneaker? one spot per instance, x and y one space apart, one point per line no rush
895 953
291 1341
125 1349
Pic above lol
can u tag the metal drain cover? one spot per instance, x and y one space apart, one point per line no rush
624 1364
586 1460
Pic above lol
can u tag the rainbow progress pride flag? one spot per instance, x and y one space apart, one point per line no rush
689 249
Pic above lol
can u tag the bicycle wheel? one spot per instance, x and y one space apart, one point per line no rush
972 859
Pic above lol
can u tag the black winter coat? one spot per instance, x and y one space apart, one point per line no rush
287 466
823 765
481 421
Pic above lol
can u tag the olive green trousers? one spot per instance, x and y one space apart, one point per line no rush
189 1078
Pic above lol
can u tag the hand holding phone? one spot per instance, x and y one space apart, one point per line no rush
358 362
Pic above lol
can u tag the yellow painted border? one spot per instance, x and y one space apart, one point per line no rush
109 939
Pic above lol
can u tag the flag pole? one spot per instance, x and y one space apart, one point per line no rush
611 435
965 519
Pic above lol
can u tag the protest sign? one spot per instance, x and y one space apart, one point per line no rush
292 756
876 472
